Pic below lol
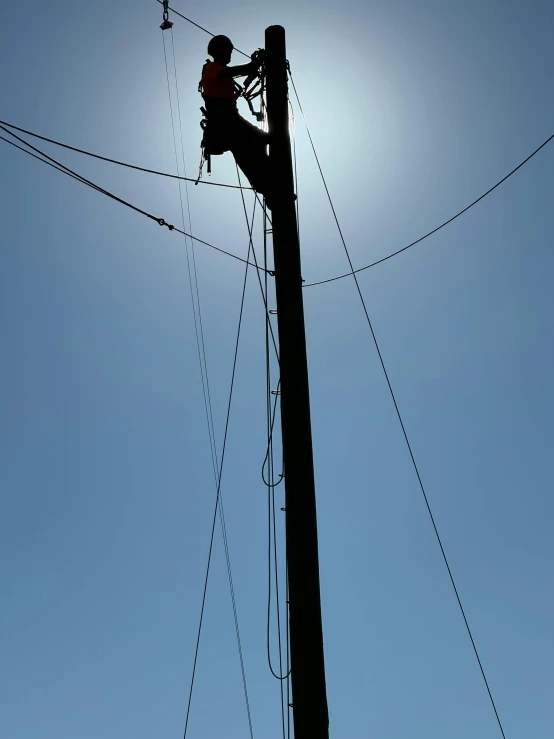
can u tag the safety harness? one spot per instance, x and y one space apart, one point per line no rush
253 87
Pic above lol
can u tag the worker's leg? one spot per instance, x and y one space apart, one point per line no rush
249 147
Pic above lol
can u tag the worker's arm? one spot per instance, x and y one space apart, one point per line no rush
241 71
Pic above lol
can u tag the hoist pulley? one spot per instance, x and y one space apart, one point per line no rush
166 22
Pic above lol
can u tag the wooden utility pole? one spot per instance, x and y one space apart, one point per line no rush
309 698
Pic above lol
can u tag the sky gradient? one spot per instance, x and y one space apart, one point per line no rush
106 484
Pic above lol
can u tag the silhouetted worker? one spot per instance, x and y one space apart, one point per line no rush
226 129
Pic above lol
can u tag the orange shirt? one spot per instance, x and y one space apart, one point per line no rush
214 88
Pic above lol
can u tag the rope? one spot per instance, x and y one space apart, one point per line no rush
201 350
272 415
195 292
271 486
69 172
289 701
191 265
259 269
404 432
269 329
116 161
272 531
217 506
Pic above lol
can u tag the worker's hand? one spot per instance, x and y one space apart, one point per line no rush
257 58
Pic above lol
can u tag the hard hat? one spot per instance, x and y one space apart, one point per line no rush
218 42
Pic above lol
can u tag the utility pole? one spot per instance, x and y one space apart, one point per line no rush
309 697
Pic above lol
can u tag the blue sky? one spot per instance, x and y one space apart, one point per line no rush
107 489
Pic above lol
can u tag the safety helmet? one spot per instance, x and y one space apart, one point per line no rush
219 42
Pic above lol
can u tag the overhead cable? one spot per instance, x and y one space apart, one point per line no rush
433 231
201 350
67 171
119 163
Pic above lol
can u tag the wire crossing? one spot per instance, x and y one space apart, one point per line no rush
271 485
434 230
201 350
118 162
404 432
218 497
243 187
50 161
422 238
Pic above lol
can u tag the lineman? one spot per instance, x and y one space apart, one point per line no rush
226 129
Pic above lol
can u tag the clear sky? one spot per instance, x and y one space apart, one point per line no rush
107 489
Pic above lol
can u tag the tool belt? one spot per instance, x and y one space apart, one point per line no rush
218 122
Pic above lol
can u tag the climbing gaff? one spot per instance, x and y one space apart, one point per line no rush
166 22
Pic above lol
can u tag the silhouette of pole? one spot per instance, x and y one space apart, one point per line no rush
309 698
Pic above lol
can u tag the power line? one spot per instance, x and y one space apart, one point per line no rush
184 17
404 432
220 184
80 178
438 228
236 187
54 166
119 163
67 171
